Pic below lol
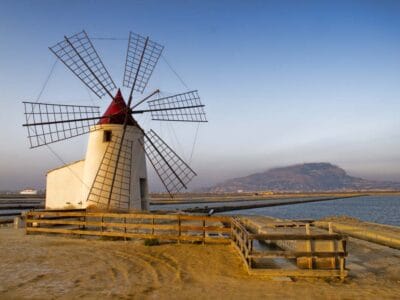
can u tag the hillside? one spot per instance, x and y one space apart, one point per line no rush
310 177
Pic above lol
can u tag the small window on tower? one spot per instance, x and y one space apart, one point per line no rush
107 136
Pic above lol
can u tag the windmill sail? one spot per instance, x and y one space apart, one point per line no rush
49 123
174 173
141 59
79 55
184 107
112 189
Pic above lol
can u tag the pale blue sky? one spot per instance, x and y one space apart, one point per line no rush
284 81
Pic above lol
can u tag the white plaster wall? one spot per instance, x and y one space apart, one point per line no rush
94 155
64 185
139 171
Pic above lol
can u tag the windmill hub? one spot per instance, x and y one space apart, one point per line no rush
113 174
116 112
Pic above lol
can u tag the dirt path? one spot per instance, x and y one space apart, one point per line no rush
39 267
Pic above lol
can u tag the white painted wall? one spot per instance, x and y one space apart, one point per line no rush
94 155
64 185
69 186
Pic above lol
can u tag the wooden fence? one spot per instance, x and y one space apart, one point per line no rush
203 229
176 227
244 242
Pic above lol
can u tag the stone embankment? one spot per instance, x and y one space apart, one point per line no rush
372 232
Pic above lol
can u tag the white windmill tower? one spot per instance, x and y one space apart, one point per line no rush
113 174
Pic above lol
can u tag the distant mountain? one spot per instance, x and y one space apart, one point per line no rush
310 177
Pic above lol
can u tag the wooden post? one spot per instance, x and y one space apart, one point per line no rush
232 236
342 261
125 229
179 229
204 231
309 247
333 246
250 249
84 220
152 227
27 224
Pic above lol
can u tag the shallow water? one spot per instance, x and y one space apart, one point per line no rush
378 209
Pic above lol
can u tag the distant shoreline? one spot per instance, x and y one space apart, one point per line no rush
19 196
164 198
266 204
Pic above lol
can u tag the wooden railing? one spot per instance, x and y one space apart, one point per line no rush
177 227
203 229
243 240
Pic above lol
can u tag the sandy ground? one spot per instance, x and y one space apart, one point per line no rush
39 267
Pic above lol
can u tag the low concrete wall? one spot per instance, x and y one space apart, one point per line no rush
364 233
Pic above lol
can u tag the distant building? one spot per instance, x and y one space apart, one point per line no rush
28 192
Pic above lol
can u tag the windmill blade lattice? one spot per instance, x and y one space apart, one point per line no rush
50 123
184 107
79 55
111 186
174 173
108 191
141 59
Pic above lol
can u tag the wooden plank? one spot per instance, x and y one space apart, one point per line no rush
245 263
294 254
6 221
241 228
96 233
274 236
20 206
16 214
207 228
56 222
55 214
130 225
283 224
298 273
101 214
207 218
57 218
130 215
104 224
241 242
133 215
132 235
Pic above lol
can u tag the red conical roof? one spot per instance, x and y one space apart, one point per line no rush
116 112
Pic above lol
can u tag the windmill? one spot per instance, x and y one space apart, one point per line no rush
113 174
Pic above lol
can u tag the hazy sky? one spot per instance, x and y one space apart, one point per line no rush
284 81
